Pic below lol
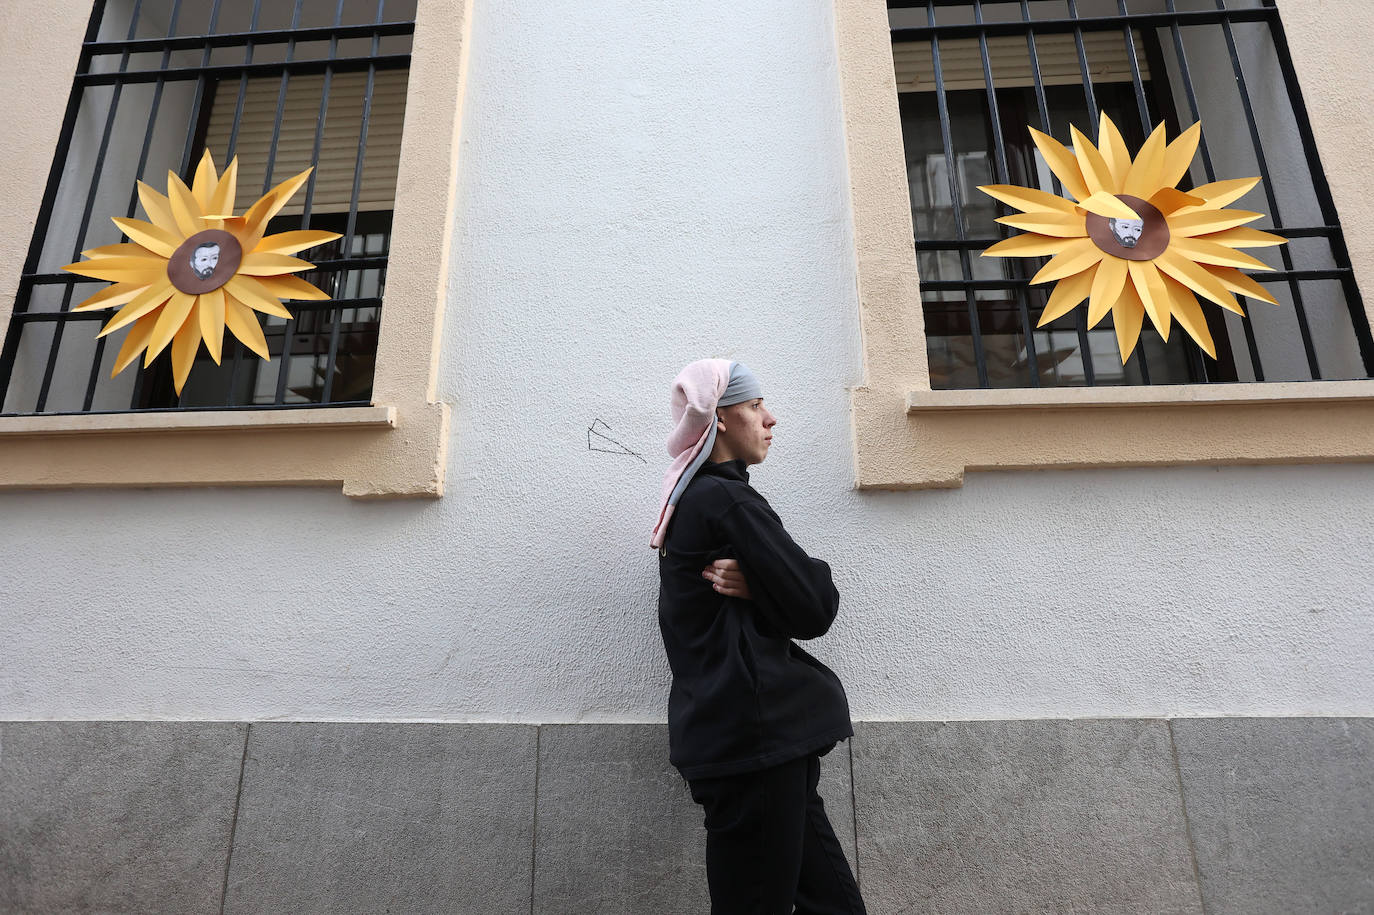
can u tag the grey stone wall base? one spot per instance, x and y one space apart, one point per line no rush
1211 816
1281 812
1021 816
124 816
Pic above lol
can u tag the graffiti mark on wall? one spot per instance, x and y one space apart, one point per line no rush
598 440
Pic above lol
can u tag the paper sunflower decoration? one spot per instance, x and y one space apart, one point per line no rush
195 269
1130 242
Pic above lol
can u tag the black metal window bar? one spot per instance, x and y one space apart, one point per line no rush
972 74
155 80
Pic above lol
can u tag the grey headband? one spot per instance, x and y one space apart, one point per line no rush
744 385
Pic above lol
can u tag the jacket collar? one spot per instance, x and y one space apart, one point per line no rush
730 470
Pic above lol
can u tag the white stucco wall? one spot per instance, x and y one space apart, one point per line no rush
644 184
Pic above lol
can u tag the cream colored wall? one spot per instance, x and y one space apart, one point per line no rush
397 448
908 437
40 56
1330 43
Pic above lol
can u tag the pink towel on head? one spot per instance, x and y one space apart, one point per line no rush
696 391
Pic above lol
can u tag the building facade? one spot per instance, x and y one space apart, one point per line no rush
371 625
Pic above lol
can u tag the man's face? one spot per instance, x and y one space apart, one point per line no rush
1127 231
204 260
748 430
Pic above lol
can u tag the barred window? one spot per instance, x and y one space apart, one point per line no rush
282 85
972 76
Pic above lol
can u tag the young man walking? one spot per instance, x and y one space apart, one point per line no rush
750 713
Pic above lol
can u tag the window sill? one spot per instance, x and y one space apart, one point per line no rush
946 433
1161 395
386 451
198 421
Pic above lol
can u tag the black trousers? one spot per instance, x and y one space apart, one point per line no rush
769 844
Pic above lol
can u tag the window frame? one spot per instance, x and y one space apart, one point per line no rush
908 436
395 447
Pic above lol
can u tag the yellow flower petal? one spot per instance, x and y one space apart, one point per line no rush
1107 284
134 343
247 291
1239 282
210 311
1209 252
1178 157
243 323
145 302
1078 255
284 192
1196 278
174 315
1170 199
1154 296
123 249
291 242
114 269
1096 175
1067 294
1028 245
1026 199
1222 193
1245 237
1144 178
203 187
1062 163
1205 222
254 225
1128 314
1059 225
184 346
1189 314
151 236
222 200
111 296
1108 205
185 209
293 287
1114 151
268 264
157 208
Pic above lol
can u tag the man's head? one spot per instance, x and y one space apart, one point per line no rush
744 432
1126 231
204 259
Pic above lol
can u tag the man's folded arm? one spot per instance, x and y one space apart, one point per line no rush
793 592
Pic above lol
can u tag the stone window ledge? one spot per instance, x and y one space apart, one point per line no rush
1273 393
371 452
943 434
198 421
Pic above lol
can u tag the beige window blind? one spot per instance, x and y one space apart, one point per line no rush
961 61
295 144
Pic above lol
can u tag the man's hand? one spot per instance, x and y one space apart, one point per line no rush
727 579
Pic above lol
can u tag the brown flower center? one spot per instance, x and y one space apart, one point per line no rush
1141 239
205 261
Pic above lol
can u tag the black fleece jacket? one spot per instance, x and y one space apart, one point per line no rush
744 696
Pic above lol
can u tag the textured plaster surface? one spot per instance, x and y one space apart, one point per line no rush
672 184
